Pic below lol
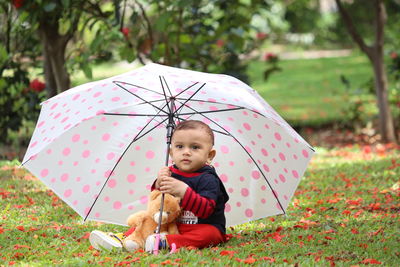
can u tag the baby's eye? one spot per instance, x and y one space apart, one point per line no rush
178 146
195 147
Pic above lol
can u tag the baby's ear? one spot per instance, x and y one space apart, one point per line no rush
211 154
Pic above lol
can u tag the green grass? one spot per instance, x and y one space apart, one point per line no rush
309 91
345 211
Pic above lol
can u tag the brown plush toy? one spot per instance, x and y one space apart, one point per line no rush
145 222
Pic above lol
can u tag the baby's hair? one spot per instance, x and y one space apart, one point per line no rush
195 125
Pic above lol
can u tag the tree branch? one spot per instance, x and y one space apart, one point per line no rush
352 29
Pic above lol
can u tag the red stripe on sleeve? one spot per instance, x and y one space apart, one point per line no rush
201 206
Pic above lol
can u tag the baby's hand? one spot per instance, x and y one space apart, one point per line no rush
173 186
164 172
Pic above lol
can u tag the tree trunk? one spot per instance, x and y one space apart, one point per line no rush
375 55
386 125
54 47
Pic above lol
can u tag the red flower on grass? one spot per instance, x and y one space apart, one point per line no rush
37 85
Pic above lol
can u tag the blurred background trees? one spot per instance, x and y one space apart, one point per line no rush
44 42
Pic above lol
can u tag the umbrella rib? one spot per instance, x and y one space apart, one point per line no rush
116 164
251 157
165 95
148 102
136 115
166 84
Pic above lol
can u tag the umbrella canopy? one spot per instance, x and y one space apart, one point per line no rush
99 146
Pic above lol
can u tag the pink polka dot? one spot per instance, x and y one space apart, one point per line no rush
87 210
238 204
224 178
278 136
282 178
105 137
108 173
228 208
244 192
86 153
242 179
112 183
247 126
115 99
266 168
131 192
248 213
132 163
263 187
282 156
76 97
97 215
295 174
40 124
66 151
54 106
85 188
44 173
144 199
117 205
305 153
106 199
224 149
263 201
256 175
76 138
110 156
248 149
97 94
68 193
150 154
64 177
264 152
49 151
131 178
231 163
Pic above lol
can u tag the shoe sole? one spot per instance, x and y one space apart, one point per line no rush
102 241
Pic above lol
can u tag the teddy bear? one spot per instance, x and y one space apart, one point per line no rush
145 222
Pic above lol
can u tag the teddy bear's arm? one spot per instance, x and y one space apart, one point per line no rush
137 218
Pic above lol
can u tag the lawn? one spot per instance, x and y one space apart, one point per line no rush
345 212
309 91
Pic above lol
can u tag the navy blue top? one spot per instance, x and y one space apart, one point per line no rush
206 183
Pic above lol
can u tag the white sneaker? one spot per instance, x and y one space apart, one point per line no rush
105 241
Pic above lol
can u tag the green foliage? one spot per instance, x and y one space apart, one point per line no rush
18 101
202 35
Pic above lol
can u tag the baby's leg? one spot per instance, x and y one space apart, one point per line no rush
196 235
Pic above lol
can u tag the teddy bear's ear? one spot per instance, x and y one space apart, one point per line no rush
154 194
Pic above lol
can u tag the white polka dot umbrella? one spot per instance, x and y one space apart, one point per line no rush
99 146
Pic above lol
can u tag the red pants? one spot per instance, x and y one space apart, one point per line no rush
194 235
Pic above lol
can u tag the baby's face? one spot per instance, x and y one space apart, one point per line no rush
191 149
